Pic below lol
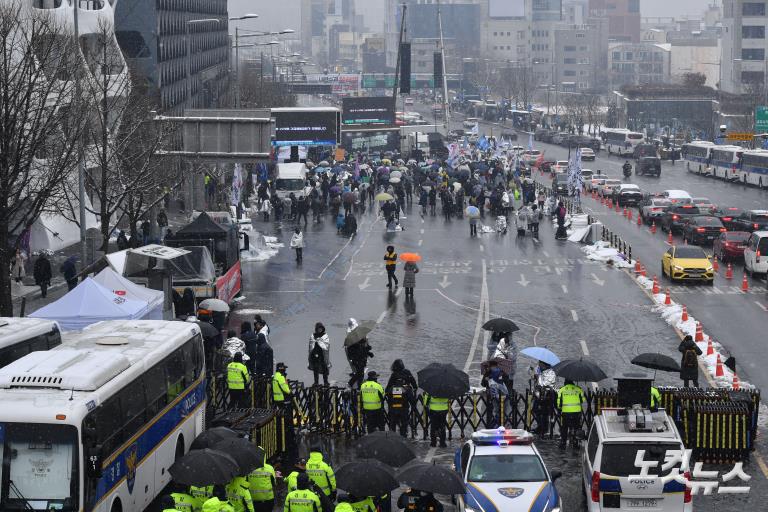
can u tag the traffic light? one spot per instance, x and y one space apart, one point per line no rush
438 67
405 68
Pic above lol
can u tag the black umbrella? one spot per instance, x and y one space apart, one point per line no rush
579 370
212 436
443 380
208 330
204 467
247 455
359 333
366 477
500 325
656 361
385 447
432 478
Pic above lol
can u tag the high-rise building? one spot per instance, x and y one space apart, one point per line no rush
623 18
743 46
581 56
180 50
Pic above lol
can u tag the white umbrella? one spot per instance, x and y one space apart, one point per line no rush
214 305
457 186
394 179
395 174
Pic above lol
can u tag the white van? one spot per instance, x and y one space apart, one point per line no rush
290 178
677 196
756 253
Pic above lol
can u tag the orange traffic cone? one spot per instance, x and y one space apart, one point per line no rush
655 290
710 348
618 208
629 214
744 283
715 264
736 384
639 220
729 272
638 266
625 212
670 240
719 368
684 316
653 227
667 298
699 332
642 271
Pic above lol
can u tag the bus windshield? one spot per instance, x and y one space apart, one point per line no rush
39 469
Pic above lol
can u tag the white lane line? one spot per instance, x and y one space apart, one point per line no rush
421 242
482 249
398 292
565 288
574 315
430 454
422 232
334 258
584 347
479 323
545 253
762 306
381 317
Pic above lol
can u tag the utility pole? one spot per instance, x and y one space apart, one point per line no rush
81 156
446 110
399 56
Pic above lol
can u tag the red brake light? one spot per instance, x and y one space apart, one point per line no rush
757 254
595 487
675 217
723 230
655 209
733 209
687 206
687 493
727 219
755 225
699 230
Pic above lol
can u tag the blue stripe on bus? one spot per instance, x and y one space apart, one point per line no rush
123 464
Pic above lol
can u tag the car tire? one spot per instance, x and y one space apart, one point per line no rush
711 282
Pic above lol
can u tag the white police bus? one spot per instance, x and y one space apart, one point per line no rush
621 141
754 168
697 156
20 336
726 162
94 424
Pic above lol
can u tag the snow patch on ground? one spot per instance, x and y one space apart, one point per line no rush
602 251
249 311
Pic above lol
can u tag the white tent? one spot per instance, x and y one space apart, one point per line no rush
53 232
122 287
89 303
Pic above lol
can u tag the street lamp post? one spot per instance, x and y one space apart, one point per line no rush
237 54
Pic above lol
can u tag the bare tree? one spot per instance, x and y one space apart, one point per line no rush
40 122
258 91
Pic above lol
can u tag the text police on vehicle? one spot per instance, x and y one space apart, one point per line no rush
504 471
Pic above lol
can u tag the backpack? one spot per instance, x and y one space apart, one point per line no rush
689 358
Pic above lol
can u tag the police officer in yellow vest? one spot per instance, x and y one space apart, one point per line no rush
168 504
281 392
217 503
321 473
239 494
362 504
437 410
343 507
262 487
238 380
569 400
200 495
655 399
372 396
183 502
302 499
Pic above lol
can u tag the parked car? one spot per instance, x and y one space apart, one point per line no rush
627 194
648 165
702 229
677 215
729 246
547 136
539 133
751 220
596 182
705 205
677 196
560 166
756 253
559 137
560 184
587 155
652 209
726 216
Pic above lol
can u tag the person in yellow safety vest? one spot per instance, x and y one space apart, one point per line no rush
183 502
321 473
281 392
437 410
302 499
372 395
168 504
239 494
291 481
655 399
362 504
262 483
200 495
238 380
569 400
217 503
343 507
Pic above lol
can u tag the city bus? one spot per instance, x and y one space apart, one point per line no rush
95 423
697 155
622 141
20 336
726 162
754 167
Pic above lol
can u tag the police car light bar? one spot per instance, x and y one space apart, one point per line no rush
502 437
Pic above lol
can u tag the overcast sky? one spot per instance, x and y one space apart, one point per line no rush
282 14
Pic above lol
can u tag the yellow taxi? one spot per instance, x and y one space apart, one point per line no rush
687 263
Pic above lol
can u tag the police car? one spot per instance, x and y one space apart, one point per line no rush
504 472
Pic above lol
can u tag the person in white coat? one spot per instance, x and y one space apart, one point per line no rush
507 349
319 353
297 243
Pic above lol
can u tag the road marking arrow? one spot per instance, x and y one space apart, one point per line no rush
523 281
365 284
445 283
597 280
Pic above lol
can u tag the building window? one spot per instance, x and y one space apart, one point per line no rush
569 48
753 9
752 77
753 32
753 53
569 72
580 35
633 6
628 56
616 56
495 34
569 60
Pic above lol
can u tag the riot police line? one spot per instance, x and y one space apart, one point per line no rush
717 424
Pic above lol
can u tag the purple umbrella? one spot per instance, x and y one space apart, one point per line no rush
348 197
335 189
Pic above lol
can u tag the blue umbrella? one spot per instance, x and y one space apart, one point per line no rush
541 354
472 211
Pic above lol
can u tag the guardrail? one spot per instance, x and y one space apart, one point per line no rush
616 242
718 425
